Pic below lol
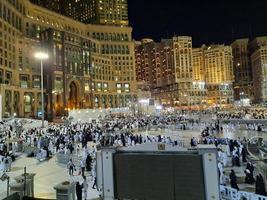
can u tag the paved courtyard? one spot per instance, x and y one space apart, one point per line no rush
50 173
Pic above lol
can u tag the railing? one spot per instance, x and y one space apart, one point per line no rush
229 193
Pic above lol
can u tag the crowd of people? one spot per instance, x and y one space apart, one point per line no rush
125 130
243 114
231 153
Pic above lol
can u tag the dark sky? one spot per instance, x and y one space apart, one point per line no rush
207 21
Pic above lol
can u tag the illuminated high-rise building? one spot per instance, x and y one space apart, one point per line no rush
174 73
58 6
199 73
198 64
219 74
243 87
89 66
259 69
155 66
110 12
183 64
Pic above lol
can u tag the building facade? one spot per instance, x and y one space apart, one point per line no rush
187 77
89 66
243 84
155 66
259 69
174 70
219 76
105 12
183 65
199 74
58 6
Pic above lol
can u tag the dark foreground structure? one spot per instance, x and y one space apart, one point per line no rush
158 171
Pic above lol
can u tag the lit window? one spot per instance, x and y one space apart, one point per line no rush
127 87
105 87
99 87
86 87
118 87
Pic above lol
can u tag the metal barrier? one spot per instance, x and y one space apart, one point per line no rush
63 158
229 193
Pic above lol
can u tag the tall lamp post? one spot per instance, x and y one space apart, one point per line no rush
42 56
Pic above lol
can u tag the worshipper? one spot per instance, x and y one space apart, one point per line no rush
84 152
233 180
71 167
94 184
78 149
228 149
250 167
235 158
51 147
220 168
7 163
225 159
262 190
94 173
258 185
244 155
85 187
249 179
70 147
2 163
88 162
223 179
79 191
82 165
193 142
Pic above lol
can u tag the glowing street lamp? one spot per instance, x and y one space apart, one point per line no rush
42 56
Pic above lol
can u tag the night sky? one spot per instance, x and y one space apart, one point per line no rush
207 21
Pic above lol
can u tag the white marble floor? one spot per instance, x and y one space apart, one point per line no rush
48 174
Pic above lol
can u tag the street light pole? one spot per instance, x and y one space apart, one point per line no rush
42 91
42 56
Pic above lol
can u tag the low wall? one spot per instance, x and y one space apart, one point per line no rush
87 115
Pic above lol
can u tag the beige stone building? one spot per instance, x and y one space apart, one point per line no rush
199 73
174 71
189 72
259 69
155 66
182 48
196 77
88 66
219 74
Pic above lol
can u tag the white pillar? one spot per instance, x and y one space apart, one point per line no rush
211 175
107 174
